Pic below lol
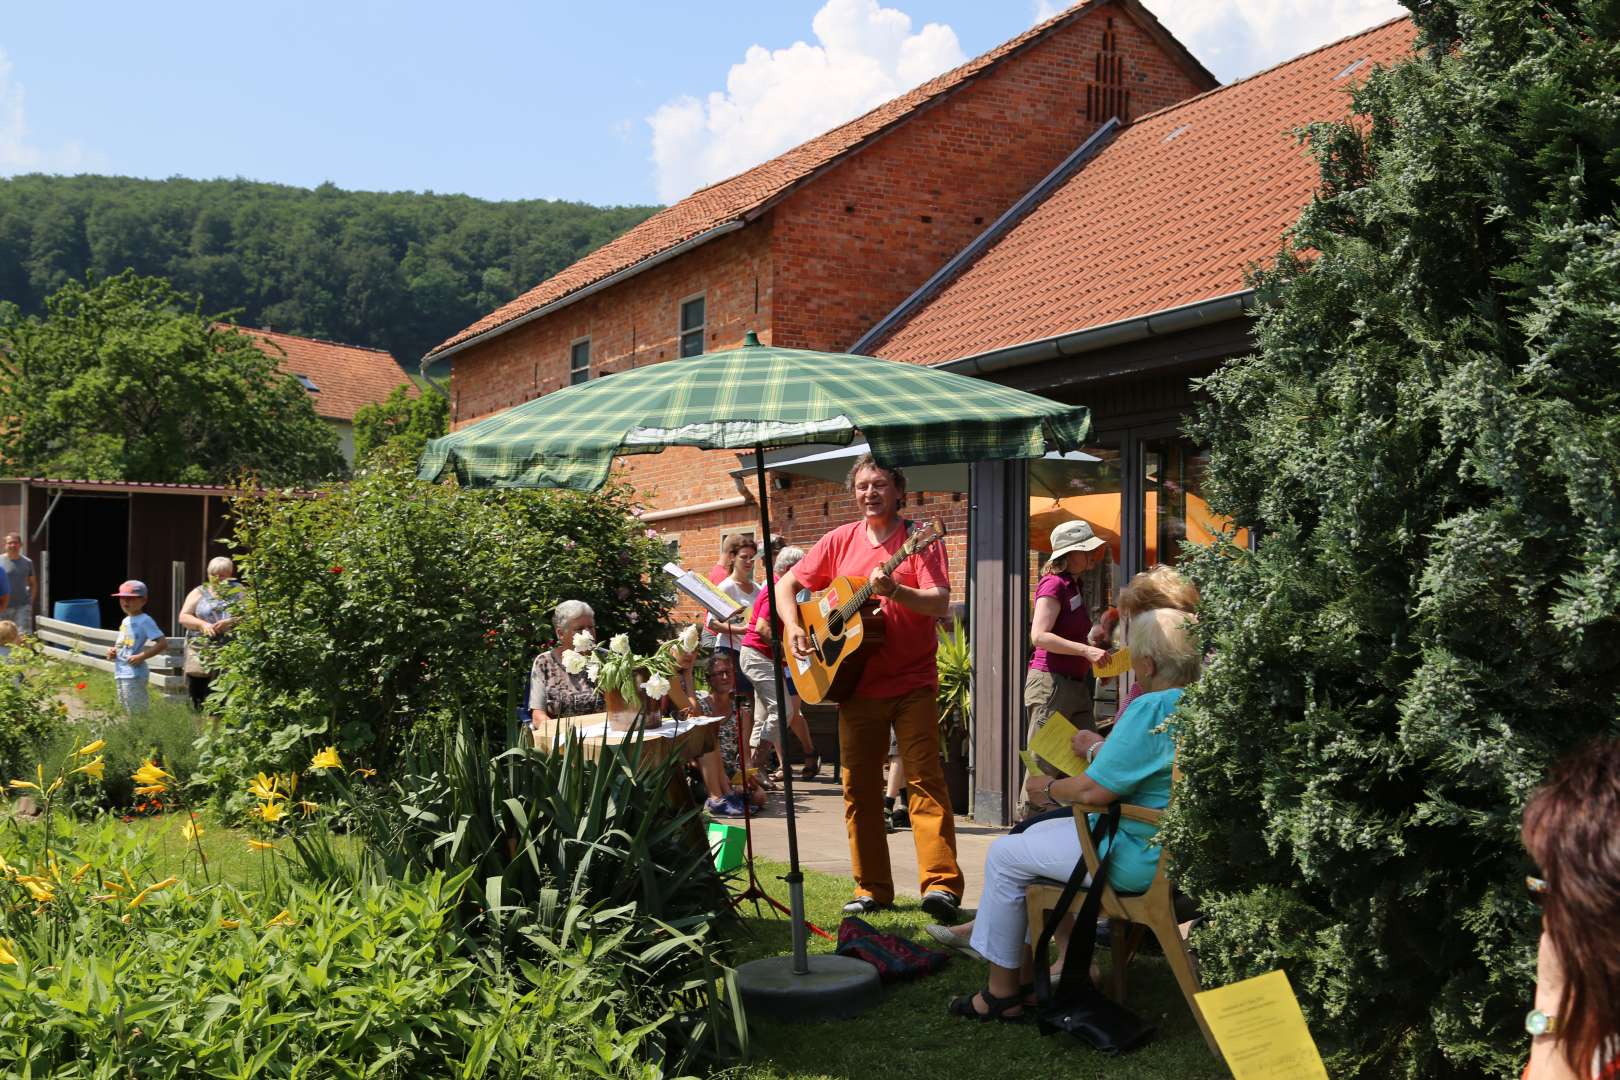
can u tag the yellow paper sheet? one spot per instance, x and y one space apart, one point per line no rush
1259 1027
1118 663
1030 763
1051 744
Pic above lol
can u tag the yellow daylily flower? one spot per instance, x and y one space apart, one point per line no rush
39 888
157 886
104 897
271 811
114 886
191 831
78 875
55 785
326 759
95 769
364 774
151 789
24 785
264 788
151 774
90 748
291 780
308 807
229 924
6 955
282 918
261 845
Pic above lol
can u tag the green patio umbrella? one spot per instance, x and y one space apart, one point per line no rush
760 397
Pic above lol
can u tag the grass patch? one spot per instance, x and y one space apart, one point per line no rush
910 1035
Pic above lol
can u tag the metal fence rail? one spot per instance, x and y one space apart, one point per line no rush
87 645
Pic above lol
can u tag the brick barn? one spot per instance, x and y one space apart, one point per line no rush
812 248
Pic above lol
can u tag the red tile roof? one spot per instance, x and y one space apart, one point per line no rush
1171 213
745 196
347 376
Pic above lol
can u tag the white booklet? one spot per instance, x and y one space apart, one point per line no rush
700 589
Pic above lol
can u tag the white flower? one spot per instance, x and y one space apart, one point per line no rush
689 638
593 668
620 644
584 641
656 685
573 663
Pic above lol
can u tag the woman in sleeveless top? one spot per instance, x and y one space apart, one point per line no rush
208 615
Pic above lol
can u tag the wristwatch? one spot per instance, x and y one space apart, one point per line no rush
1538 1023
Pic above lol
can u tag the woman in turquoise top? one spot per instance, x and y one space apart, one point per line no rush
1132 765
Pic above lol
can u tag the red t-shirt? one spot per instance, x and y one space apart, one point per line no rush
719 573
1073 622
905 661
761 610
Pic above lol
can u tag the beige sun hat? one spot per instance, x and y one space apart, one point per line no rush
1074 536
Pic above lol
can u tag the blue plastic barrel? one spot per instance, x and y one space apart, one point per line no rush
79 612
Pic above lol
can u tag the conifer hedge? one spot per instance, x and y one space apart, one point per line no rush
1428 440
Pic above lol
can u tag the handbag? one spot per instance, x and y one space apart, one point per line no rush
1076 1005
193 665
894 957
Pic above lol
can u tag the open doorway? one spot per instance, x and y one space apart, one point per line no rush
88 540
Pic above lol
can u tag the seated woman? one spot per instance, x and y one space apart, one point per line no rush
1569 830
553 692
721 764
1133 765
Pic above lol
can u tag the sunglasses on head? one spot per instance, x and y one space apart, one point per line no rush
1538 888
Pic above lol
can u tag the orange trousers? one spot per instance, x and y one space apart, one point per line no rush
863 744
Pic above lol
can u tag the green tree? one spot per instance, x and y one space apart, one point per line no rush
1429 442
125 379
402 423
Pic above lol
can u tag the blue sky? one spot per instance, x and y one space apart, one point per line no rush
606 103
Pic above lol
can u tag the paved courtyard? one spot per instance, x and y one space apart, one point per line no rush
824 846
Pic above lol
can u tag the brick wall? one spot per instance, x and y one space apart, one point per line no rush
850 247
629 325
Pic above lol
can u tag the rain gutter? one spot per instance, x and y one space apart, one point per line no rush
579 294
1169 321
728 503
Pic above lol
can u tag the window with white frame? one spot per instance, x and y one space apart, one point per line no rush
579 361
692 320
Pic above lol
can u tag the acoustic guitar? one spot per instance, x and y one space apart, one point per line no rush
845 627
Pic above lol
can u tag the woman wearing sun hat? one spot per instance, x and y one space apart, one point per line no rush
1056 682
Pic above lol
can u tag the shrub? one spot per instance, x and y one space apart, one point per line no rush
1427 441
389 607
30 713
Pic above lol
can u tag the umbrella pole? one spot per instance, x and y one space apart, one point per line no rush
794 878
799 987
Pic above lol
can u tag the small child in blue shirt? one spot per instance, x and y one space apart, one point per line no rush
139 639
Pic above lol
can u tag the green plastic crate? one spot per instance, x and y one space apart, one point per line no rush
727 843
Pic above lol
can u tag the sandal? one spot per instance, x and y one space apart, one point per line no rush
812 767
995 1008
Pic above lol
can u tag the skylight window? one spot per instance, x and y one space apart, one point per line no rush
307 383
1351 70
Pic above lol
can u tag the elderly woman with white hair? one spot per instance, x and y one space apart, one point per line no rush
208 615
553 691
1133 764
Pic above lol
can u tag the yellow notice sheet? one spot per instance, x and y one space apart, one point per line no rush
1259 1027
1051 744
1118 663
1030 763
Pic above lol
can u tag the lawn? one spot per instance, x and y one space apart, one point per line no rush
910 1035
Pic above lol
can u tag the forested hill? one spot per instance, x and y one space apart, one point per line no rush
396 271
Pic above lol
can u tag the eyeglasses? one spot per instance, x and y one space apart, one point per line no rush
1538 889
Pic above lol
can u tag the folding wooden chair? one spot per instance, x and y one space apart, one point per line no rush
1132 915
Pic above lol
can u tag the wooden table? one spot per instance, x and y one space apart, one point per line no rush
656 745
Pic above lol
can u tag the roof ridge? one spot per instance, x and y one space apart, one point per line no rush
1274 67
307 337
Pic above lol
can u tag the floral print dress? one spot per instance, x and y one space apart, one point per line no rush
560 694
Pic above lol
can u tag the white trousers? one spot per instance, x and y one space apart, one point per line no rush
1046 850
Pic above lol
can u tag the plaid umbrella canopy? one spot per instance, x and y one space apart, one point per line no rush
750 398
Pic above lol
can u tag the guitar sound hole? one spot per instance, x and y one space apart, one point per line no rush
835 625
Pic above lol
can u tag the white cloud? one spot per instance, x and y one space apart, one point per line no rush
18 152
777 98
1235 38
1045 9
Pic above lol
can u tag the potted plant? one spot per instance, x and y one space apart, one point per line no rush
631 685
955 660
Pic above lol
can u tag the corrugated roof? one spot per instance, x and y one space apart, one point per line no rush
346 376
746 195
1171 213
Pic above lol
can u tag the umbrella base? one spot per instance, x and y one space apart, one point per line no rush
835 987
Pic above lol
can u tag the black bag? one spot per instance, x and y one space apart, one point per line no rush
1076 1006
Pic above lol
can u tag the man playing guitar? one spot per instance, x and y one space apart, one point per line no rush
897 689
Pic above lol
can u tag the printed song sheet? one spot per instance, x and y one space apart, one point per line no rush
1259 1027
1051 744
